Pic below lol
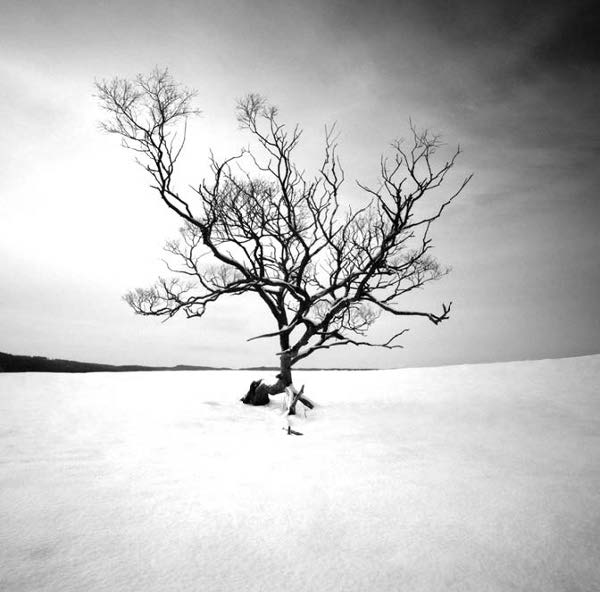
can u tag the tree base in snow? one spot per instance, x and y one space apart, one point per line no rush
258 394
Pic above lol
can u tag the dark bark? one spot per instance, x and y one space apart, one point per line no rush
285 370
259 391
252 397
285 358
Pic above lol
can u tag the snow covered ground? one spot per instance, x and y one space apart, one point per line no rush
479 478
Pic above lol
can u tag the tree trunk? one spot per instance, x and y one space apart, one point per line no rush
285 376
258 393
285 370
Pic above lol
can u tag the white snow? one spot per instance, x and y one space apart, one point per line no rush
479 478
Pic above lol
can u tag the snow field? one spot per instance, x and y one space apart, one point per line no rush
483 478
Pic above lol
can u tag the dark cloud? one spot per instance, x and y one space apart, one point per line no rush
573 40
545 34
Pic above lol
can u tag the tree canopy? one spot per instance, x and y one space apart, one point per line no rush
259 224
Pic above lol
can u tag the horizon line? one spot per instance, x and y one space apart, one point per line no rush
106 367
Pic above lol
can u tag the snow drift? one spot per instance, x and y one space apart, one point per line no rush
478 478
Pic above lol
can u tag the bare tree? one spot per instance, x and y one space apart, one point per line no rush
259 225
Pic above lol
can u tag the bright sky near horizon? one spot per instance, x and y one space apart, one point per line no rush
516 84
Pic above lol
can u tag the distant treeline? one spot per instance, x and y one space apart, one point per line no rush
11 363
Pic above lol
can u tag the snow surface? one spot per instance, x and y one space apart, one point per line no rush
480 478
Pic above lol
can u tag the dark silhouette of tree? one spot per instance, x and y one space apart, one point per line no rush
260 225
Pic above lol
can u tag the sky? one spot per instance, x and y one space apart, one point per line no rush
516 84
